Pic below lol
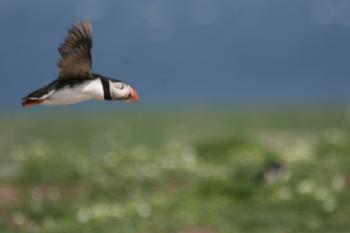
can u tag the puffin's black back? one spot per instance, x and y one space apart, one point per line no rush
42 91
68 82
56 85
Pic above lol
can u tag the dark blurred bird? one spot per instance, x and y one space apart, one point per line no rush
76 82
272 171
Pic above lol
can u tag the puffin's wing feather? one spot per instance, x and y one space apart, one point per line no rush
75 52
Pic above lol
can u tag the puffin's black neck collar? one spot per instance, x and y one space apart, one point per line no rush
106 88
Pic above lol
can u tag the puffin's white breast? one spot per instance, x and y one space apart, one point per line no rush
91 89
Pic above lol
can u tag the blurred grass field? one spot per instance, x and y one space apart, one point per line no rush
171 172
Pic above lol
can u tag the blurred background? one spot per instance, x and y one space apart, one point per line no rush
243 122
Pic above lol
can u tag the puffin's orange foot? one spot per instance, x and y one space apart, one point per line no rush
30 102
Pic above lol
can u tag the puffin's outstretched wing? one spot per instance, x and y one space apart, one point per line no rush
75 52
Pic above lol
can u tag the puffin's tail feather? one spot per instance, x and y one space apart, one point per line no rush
28 102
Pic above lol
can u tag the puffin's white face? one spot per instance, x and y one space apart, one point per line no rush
123 91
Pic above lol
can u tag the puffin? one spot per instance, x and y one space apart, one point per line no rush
76 82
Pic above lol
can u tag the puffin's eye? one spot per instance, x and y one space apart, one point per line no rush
119 85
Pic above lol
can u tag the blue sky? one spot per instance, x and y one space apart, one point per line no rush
179 51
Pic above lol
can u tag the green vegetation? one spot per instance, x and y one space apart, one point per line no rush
168 172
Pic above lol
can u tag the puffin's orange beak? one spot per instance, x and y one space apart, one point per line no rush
134 96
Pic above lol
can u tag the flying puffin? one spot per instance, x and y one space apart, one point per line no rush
76 82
